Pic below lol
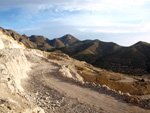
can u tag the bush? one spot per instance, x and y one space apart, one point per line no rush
80 68
51 56
124 87
142 80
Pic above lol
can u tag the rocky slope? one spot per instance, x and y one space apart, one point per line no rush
8 42
13 68
34 81
14 35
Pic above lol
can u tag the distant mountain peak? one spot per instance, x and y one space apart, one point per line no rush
141 43
68 36
36 38
39 36
68 39
24 35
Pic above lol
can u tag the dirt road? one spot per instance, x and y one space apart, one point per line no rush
71 97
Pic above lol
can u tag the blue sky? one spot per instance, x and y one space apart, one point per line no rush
121 21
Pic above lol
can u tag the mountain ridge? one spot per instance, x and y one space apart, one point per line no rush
133 59
130 60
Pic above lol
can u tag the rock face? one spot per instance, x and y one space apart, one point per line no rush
8 42
13 68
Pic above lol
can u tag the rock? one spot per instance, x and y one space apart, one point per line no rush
93 84
87 83
2 101
136 100
127 94
105 87
2 105
47 93
36 93
120 93
98 85
34 110
57 102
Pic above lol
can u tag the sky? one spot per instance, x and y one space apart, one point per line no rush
124 22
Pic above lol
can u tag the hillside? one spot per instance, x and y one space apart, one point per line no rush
34 81
132 60
18 37
90 50
40 42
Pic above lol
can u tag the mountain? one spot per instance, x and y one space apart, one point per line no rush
90 50
68 39
40 42
18 37
7 41
130 60
107 55
44 43
56 43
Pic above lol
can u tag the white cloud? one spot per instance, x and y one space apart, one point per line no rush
87 18
118 28
71 5
101 11
144 27
27 29
95 5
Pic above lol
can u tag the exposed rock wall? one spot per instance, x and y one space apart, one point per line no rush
8 42
14 66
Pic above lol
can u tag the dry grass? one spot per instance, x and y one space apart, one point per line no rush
52 56
112 76
111 79
81 68
124 87
61 55
88 76
144 87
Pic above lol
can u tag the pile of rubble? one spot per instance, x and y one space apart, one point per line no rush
53 101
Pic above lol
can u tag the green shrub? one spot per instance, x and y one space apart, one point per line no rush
142 80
